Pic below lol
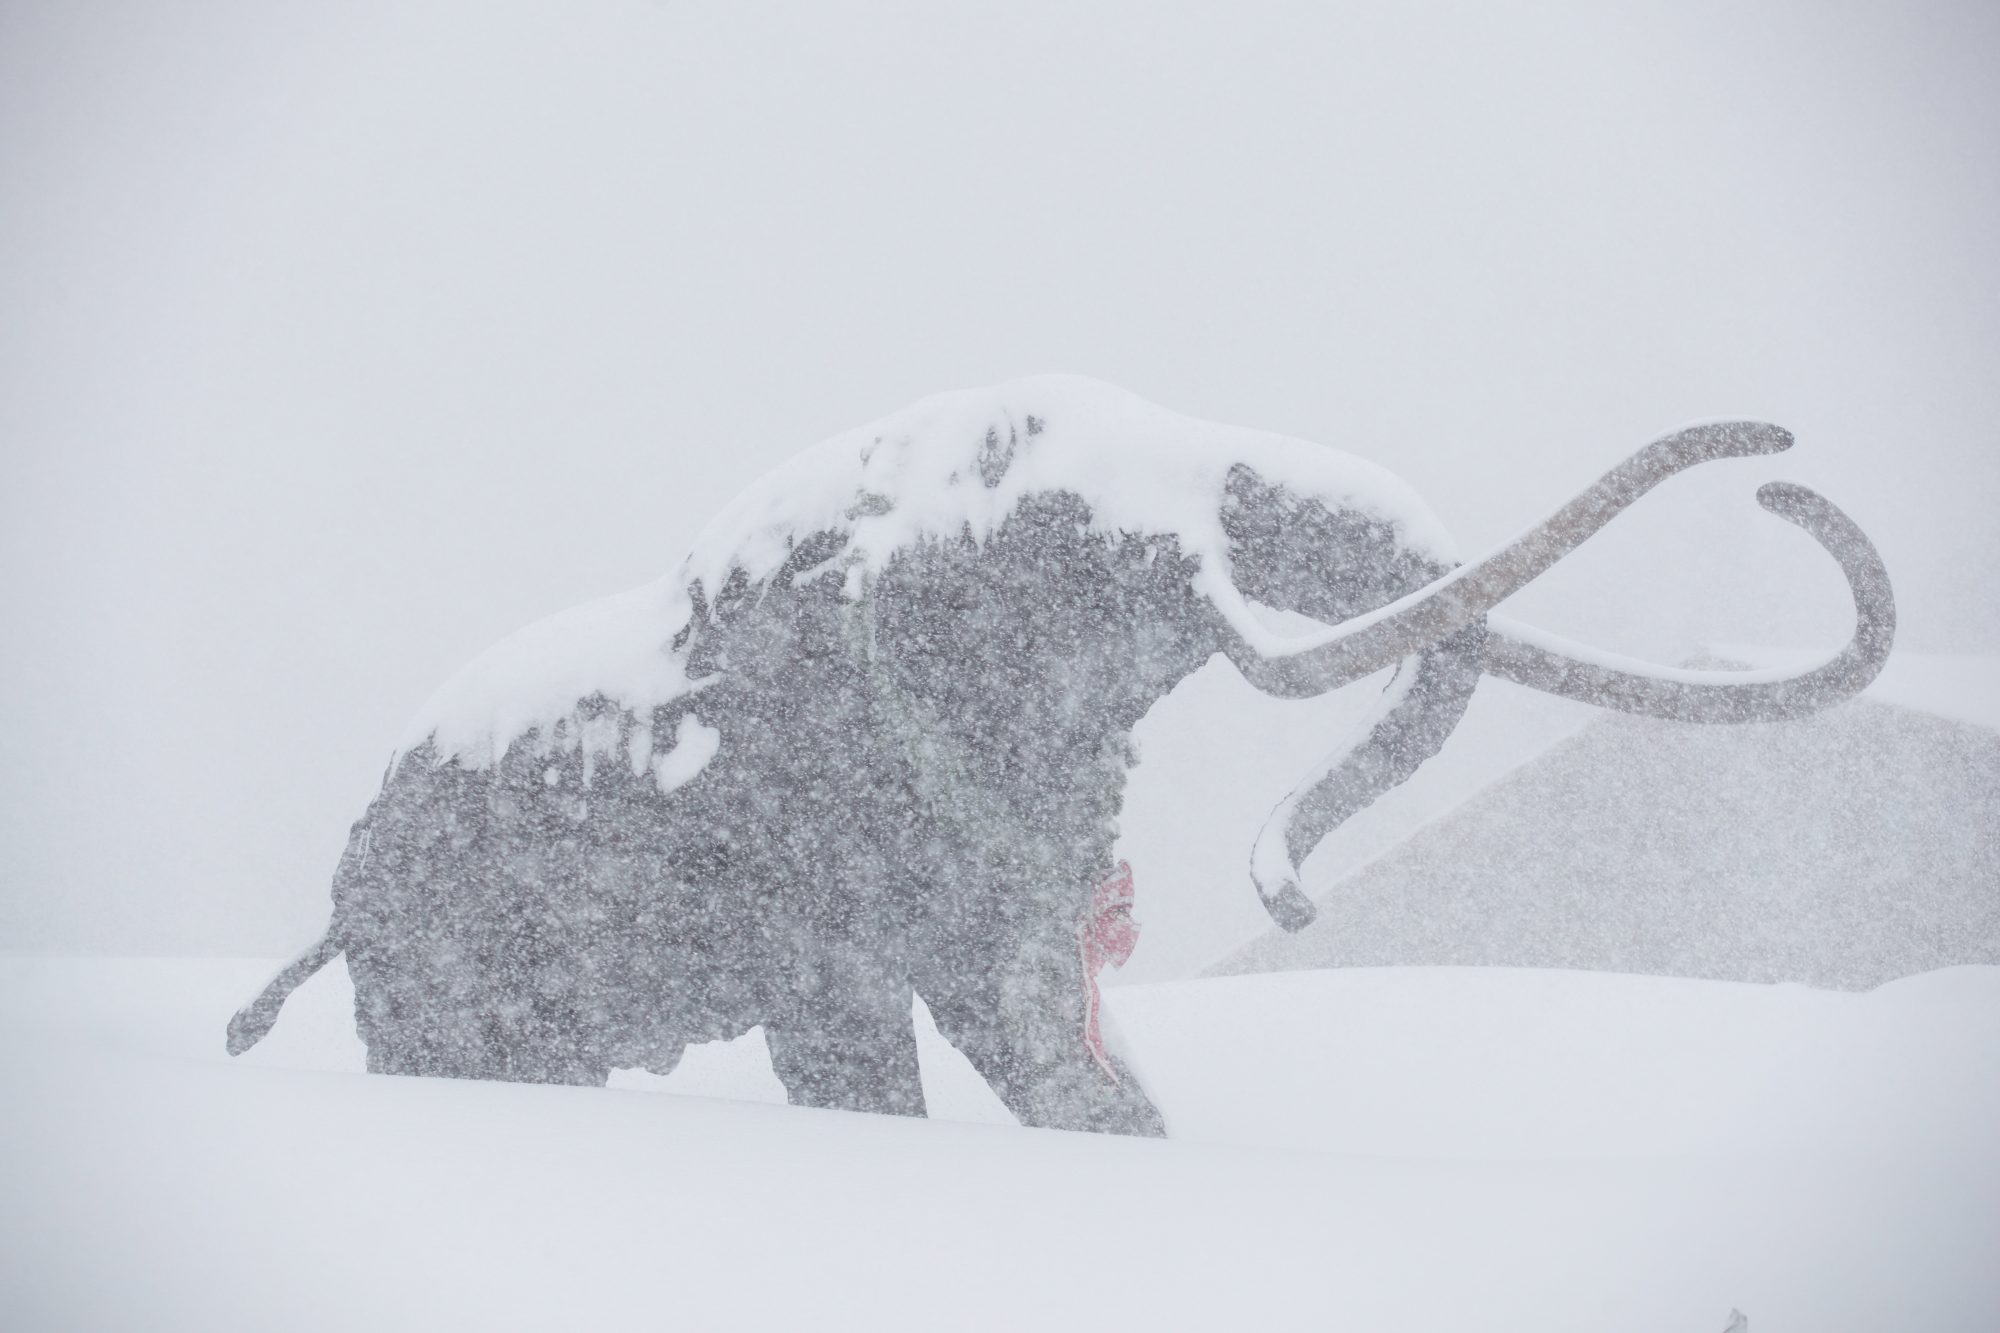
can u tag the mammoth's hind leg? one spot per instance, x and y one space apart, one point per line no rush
849 1046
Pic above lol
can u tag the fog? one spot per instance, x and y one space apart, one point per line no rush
337 342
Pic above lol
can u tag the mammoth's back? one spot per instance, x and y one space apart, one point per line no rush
962 470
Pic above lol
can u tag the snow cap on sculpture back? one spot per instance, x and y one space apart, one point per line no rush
950 464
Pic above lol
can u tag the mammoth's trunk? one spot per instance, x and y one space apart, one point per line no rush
1423 703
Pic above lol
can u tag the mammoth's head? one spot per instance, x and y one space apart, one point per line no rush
1384 599
1313 555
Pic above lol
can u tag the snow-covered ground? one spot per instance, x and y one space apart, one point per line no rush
1369 1149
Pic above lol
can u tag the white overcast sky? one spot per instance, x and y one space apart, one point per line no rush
338 340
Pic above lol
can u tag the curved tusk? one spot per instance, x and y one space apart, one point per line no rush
1364 645
1541 661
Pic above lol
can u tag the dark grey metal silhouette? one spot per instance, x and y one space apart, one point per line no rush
919 766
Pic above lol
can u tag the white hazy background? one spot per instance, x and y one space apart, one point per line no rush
338 341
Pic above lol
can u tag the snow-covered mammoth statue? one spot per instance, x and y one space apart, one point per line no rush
871 738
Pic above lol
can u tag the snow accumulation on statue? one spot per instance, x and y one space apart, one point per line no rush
957 464
871 739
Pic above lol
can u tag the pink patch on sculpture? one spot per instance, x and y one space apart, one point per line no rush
1107 934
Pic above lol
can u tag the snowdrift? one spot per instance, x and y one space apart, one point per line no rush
1388 1149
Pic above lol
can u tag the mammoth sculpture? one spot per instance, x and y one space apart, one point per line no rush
870 739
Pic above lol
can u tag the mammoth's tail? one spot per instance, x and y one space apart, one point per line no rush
254 1019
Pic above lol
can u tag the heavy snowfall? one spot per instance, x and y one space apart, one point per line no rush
1379 705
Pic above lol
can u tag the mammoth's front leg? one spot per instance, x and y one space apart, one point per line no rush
846 1042
1025 1028
1043 1071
